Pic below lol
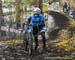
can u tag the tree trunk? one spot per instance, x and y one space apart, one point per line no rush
38 3
18 12
1 19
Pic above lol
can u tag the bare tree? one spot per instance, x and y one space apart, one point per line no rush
1 19
18 12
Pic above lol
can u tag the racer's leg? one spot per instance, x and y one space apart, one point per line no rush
36 41
44 39
35 33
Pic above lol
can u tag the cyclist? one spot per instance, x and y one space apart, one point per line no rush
37 21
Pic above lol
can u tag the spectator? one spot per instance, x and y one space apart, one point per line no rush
65 7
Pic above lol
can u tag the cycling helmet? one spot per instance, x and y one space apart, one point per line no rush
36 11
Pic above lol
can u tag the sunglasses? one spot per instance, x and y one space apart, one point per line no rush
36 14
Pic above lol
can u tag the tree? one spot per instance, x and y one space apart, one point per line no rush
27 2
19 9
1 19
18 12
9 4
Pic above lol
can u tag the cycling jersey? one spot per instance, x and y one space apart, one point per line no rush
36 20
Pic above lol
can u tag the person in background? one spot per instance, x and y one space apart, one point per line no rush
65 7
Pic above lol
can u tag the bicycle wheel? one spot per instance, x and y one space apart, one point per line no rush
25 41
30 45
29 40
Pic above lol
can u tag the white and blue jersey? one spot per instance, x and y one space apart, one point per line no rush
36 20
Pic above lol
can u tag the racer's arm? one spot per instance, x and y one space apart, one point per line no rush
29 20
43 21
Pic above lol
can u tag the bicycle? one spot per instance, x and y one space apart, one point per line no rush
29 39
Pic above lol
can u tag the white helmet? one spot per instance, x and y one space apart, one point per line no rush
37 10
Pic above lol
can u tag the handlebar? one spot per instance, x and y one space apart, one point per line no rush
28 24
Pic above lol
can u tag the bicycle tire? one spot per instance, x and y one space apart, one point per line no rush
29 40
30 48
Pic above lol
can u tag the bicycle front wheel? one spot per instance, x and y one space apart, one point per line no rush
30 46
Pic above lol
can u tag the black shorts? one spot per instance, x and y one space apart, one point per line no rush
36 29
